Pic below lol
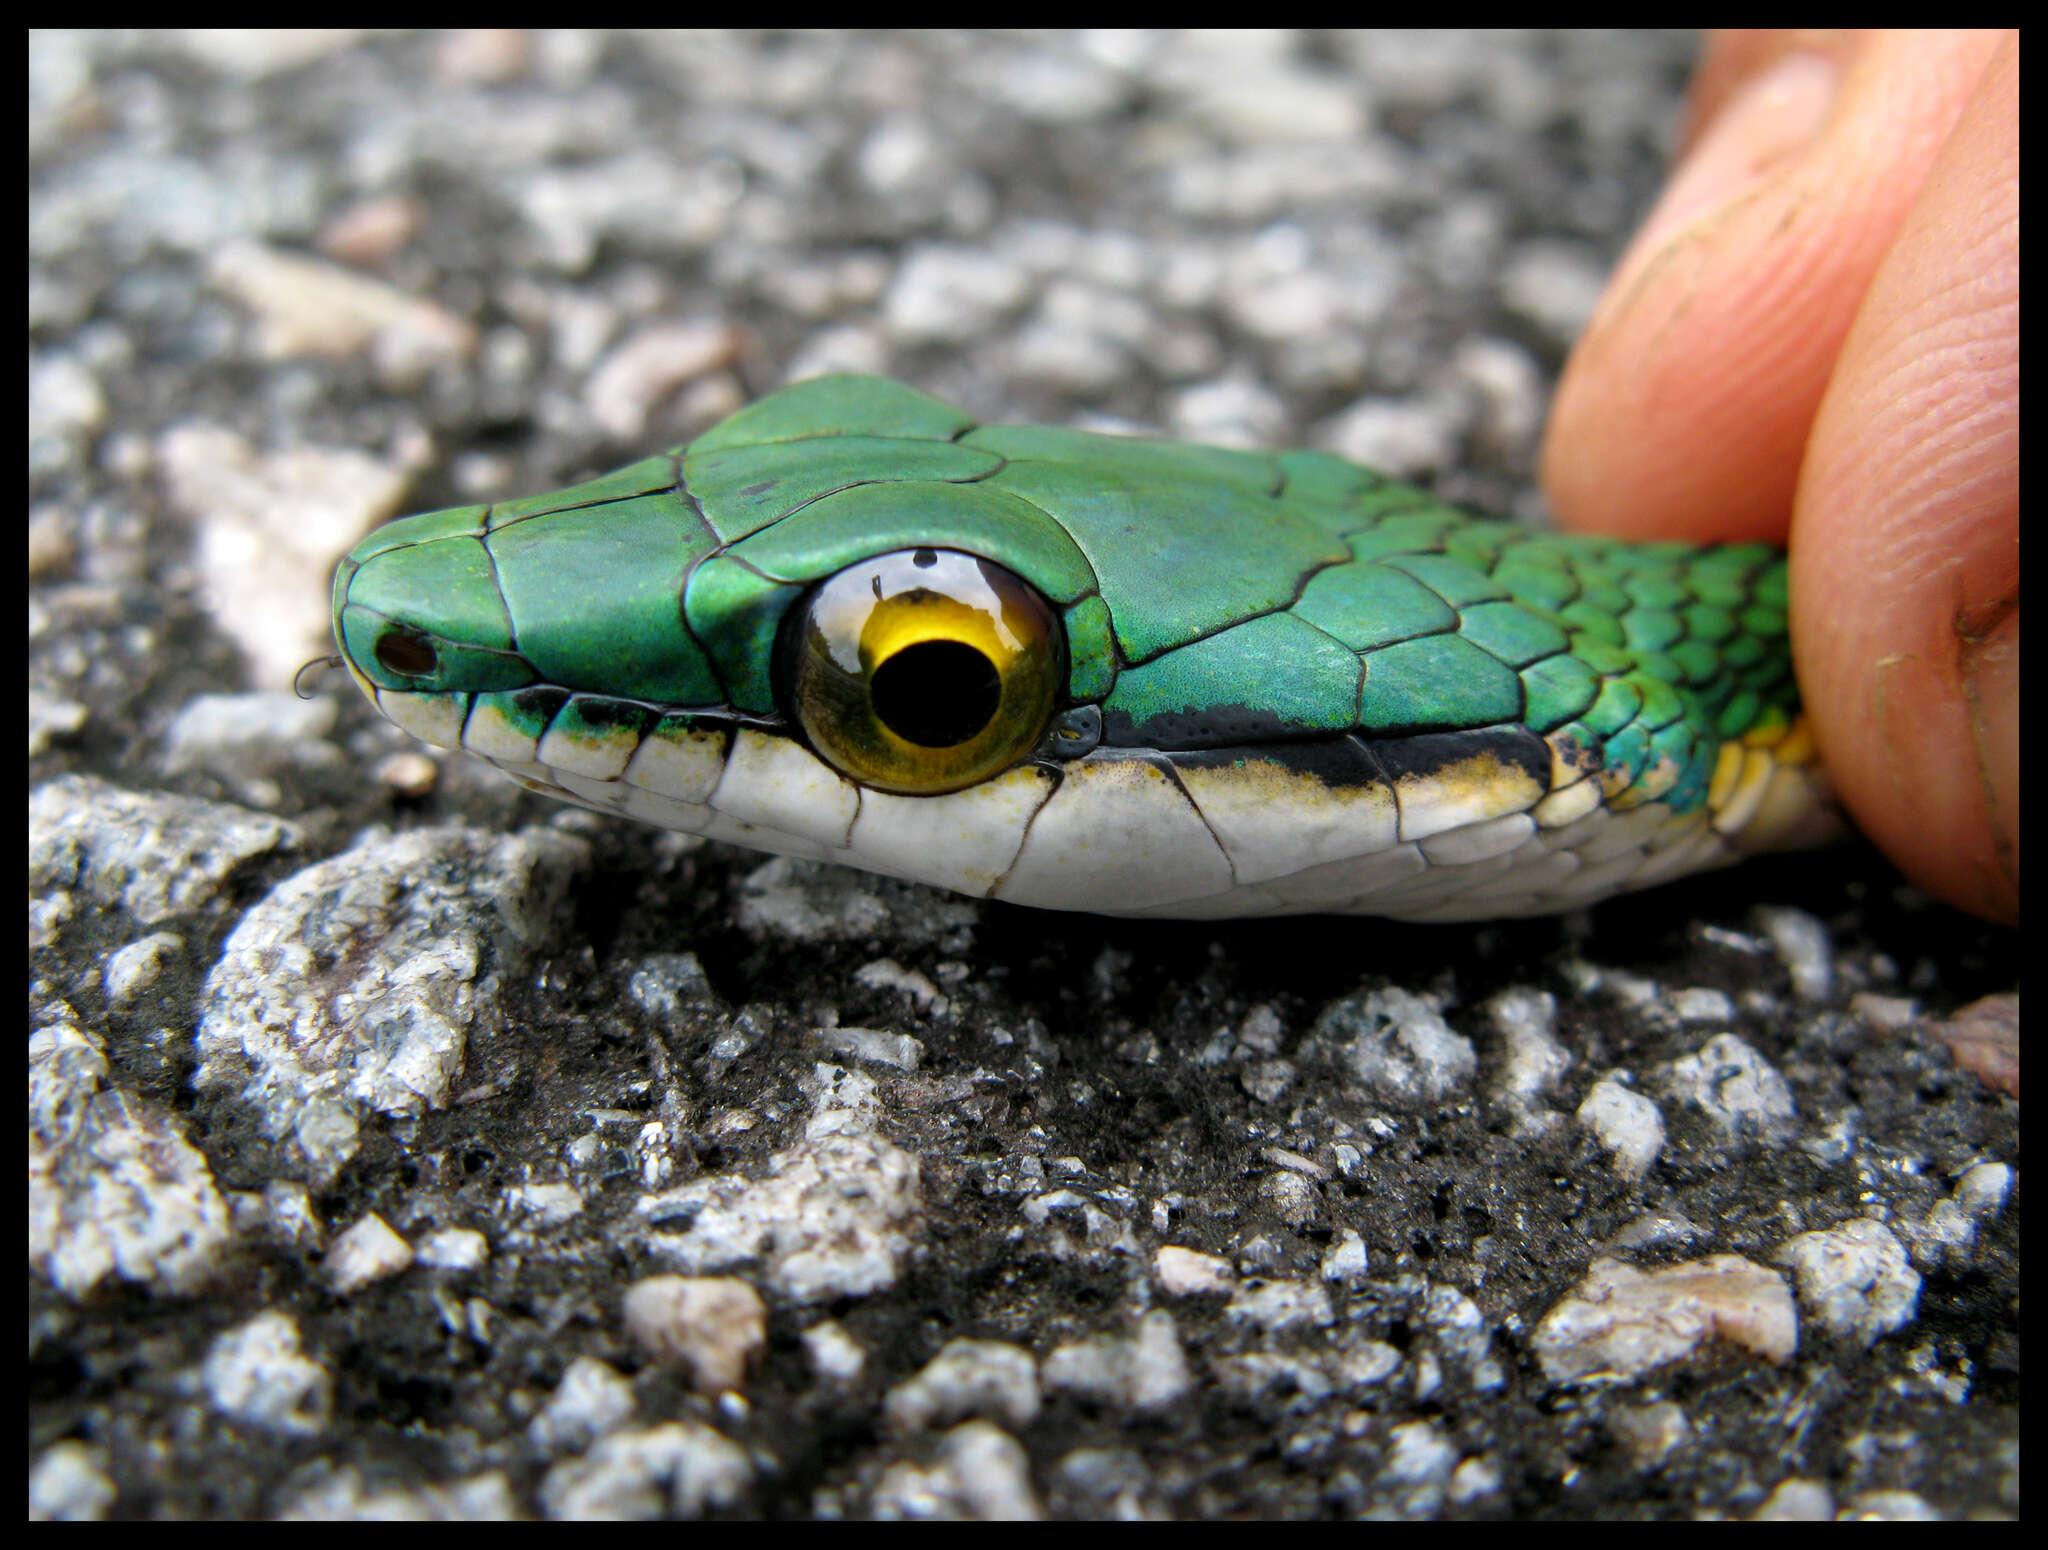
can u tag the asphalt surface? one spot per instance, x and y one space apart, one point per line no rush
365 1086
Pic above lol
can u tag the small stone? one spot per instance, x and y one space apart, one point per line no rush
1554 285
343 1495
130 971
1693 1004
1346 1259
1399 1047
650 365
1627 1124
1269 1081
1736 1088
1622 1322
711 1328
1419 1461
1281 1304
1888 1507
364 1254
1536 1062
1186 1273
875 1045
1650 1433
1797 1501
680 1469
544 1205
1402 437
1983 1190
888 974
1984 1038
987 1378
1472 1480
831 1218
835 1355
1294 1199
1231 411
255 1375
1887 1014
114 1188
982 1474
306 306
68 1483
1804 947
1854 1280
1145 1374
454 1248
591 1401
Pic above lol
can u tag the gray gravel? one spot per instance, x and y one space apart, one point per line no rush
363 1086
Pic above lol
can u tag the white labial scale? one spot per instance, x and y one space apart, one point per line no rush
607 796
1693 851
1678 829
1611 834
1118 835
1571 835
1563 808
1274 823
1479 841
491 734
633 803
522 771
1597 879
1794 813
666 812
1748 795
1445 882
432 718
776 784
1249 900
1534 874
1347 887
775 842
1453 912
965 840
682 766
1463 794
602 756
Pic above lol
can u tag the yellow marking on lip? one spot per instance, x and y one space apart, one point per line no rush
1727 766
1470 791
1747 792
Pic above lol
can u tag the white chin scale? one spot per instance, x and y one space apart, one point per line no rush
1115 834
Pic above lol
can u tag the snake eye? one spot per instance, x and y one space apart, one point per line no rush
406 654
924 671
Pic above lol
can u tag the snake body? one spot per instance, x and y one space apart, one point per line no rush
1097 673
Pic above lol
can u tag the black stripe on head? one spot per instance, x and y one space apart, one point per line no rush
1338 762
1433 752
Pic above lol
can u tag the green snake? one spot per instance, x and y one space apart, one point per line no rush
1099 673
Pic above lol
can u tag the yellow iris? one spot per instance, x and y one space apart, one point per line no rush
925 670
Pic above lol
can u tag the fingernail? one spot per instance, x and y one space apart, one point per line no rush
1774 116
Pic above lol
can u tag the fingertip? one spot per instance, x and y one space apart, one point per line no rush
1905 583
1684 413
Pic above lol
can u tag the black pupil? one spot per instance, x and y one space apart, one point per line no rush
935 694
407 654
